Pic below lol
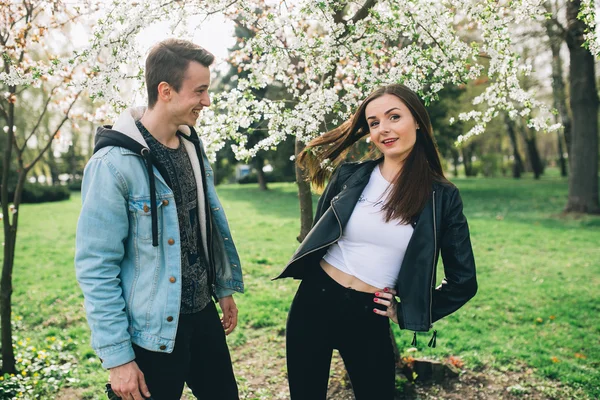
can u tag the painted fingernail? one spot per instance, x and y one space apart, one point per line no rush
386 290
375 299
377 294
375 310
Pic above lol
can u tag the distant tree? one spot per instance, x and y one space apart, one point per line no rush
583 156
556 39
31 73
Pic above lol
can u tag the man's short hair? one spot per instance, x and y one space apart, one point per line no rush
168 61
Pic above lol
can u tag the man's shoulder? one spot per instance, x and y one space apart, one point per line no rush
116 159
114 154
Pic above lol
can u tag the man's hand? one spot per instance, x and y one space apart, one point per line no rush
127 381
230 312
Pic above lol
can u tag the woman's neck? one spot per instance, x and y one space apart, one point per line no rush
390 169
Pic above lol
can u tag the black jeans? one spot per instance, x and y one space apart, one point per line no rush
325 316
200 358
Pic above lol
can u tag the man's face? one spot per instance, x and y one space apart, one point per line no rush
192 97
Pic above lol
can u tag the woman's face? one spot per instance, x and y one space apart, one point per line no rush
392 127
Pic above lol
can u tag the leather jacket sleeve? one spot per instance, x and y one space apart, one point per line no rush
460 282
330 191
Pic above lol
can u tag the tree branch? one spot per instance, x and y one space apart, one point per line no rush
363 12
37 125
553 22
51 139
28 18
3 113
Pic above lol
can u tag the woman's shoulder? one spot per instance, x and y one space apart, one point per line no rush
446 189
444 184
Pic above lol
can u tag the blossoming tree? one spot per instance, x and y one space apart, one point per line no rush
32 74
326 54
329 54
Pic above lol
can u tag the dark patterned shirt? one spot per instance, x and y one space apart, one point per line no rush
195 293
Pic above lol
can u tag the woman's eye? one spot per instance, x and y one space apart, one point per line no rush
394 117
374 124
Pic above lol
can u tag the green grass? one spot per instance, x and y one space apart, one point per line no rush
538 270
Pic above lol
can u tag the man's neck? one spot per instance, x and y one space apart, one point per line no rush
160 128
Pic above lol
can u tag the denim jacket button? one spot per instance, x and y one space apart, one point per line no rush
165 202
171 242
146 208
172 279
169 319
163 347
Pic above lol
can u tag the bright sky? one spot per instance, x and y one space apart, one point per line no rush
215 35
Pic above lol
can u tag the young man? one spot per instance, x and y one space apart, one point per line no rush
153 245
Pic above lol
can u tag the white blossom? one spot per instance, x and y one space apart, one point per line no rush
325 65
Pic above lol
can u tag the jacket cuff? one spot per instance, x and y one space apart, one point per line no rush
117 355
223 292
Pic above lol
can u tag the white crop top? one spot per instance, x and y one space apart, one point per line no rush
370 248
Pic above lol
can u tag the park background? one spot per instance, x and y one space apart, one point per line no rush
532 331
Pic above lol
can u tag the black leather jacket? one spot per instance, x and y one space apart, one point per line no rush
441 226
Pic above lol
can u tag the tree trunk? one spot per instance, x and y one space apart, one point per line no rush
53 169
559 92
10 233
529 135
259 163
561 157
455 162
466 155
583 156
8 355
518 164
534 157
305 197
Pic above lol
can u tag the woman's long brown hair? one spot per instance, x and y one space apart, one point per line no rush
422 167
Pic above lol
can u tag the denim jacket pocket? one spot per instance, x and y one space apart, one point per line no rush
141 217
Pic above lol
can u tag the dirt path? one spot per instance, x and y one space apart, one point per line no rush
260 370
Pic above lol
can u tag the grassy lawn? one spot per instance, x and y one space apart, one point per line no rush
537 308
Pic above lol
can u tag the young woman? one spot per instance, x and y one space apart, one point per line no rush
379 228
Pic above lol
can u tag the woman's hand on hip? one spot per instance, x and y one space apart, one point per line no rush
387 298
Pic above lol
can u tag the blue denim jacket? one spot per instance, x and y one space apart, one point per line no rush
132 290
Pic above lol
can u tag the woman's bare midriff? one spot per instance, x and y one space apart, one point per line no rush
346 280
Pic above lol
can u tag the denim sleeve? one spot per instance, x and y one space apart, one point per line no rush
102 231
224 292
